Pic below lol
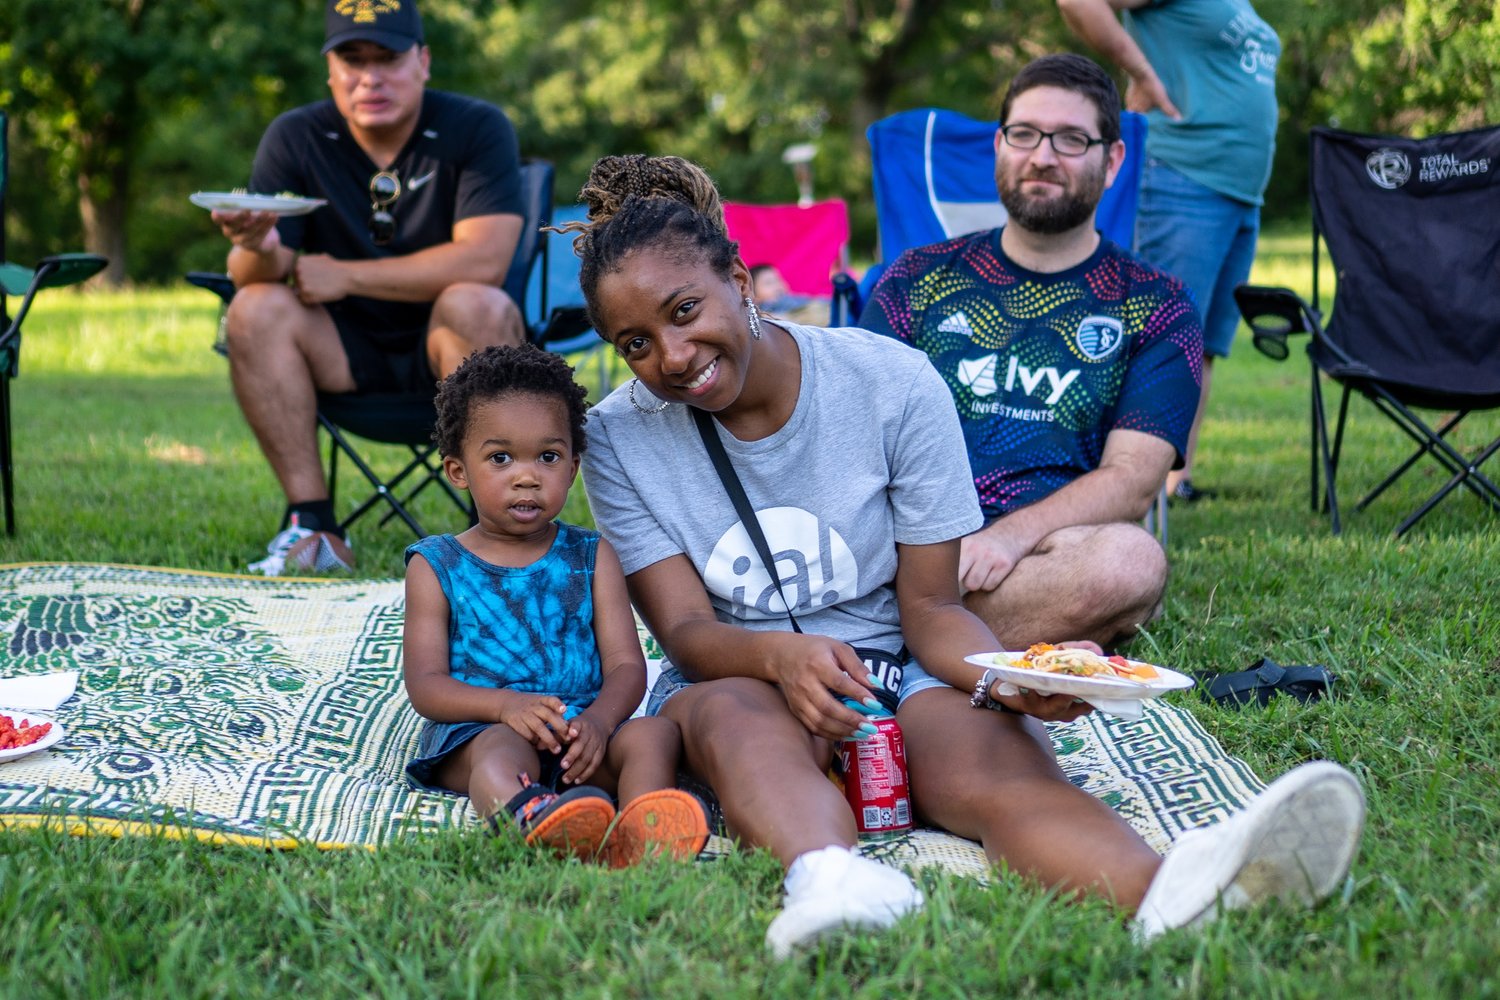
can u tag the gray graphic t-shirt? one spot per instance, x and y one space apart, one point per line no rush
872 456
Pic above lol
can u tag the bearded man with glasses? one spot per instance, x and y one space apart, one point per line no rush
1074 367
394 281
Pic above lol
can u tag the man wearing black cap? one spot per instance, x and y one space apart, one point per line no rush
393 282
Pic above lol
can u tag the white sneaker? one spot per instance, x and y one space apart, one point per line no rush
305 549
834 888
1294 841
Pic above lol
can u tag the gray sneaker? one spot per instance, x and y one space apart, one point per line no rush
305 550
1294 842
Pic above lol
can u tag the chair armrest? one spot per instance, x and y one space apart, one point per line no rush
63 269
846 304
1273 314
216 282
564 324
50 272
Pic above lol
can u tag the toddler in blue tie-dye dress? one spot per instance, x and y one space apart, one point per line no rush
521 648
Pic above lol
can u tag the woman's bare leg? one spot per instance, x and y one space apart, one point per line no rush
992 777
768 771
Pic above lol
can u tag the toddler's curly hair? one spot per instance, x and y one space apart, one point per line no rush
493 372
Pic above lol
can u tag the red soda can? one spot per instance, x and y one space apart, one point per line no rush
874 772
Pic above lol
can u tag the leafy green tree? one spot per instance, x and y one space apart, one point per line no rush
1412 68
122 107
92 86
732 86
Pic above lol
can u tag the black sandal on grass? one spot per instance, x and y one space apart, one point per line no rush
1264 680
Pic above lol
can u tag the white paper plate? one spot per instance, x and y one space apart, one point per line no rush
1087 688
53 735
231 201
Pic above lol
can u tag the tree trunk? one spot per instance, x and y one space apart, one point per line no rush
106 156
104 223
880 72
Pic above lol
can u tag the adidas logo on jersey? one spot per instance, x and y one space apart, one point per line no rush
957 323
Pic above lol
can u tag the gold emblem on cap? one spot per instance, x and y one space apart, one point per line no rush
365 11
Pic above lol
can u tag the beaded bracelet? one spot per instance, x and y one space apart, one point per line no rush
981 697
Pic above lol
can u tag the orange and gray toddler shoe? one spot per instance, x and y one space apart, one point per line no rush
571 824
665 823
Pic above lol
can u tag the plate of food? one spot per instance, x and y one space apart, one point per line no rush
284 203
23 733
1054 670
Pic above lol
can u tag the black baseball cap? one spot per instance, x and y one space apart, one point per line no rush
394 24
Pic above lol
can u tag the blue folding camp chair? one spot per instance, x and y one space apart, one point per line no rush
554 294
935 179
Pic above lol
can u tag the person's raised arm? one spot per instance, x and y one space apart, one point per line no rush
1131 471
813 671
262 242
480 252
1096 23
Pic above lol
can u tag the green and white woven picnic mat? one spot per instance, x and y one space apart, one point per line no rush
271 711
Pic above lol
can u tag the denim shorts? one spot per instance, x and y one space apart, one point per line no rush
1202 237
440 740
671 681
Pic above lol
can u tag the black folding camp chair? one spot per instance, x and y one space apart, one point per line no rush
25 282
1411 226
407 419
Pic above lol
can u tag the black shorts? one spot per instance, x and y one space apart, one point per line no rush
387 360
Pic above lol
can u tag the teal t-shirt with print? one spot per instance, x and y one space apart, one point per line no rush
1217 60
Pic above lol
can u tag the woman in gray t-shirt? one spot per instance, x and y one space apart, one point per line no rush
850 453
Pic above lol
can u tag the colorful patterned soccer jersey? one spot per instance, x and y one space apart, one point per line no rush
1043 366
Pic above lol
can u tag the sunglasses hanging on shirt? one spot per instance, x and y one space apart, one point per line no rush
385 188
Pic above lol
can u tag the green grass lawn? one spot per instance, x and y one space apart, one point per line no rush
129 449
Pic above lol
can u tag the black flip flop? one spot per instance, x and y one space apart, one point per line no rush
1266 679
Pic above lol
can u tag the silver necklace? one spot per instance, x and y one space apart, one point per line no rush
661 404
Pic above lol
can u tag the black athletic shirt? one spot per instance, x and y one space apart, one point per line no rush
461 161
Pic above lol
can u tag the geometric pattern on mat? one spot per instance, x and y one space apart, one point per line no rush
271 711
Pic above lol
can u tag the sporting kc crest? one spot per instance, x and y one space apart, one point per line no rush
1098 336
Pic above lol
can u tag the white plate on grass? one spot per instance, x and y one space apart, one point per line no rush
1091 689
53 735
237 201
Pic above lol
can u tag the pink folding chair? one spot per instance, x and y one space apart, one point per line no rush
809 244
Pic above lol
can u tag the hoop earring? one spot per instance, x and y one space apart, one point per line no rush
754 314
661 404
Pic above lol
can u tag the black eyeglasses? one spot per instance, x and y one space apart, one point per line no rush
1066 142
385 188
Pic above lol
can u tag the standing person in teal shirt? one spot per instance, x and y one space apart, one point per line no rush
1204 73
